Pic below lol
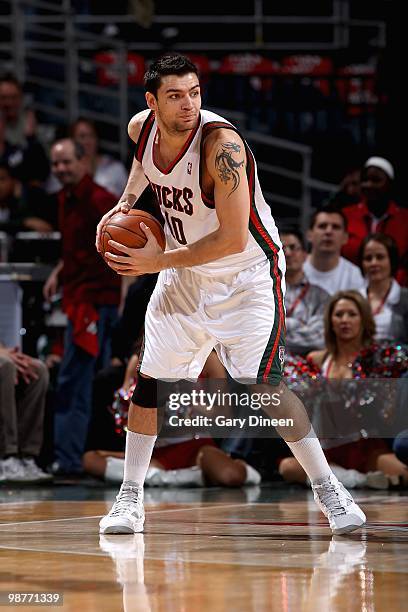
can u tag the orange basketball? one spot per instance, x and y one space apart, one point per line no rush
125 228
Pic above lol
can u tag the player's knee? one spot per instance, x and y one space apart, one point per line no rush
275 392
145 393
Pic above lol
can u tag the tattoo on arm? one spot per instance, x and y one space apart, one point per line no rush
226 166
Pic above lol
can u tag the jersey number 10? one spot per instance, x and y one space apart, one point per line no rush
176 228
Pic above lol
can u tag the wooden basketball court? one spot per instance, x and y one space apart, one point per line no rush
257 549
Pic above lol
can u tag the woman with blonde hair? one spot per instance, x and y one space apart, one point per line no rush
349 331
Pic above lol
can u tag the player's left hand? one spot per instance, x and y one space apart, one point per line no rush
135 262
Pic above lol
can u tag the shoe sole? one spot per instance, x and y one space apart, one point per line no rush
347 528
121 529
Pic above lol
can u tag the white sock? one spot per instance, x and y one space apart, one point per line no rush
139 449
311 457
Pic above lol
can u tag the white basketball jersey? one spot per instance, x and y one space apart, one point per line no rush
190 214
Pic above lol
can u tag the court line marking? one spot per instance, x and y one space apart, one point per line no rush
81 518
256 561
378 525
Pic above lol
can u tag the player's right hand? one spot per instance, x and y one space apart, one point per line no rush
122 207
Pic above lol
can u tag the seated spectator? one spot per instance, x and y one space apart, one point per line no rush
324 266
23 387
105 170
19 145
377 212
304 302
349 328
15 213
175 462
389 302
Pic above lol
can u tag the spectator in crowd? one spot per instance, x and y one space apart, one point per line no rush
389 302
349 328
349 191
325 267
304 302
19 144
23 387
377 212
90 297
175 461
20 122
17 213
105 170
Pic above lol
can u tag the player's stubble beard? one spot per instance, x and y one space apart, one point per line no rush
176 127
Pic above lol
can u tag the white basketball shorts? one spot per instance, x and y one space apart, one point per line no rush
240 315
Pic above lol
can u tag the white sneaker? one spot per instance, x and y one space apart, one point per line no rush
33 473
337 505
185 477
127 513
13 470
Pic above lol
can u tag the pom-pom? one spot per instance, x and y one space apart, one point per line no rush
381 360
120 408
301 374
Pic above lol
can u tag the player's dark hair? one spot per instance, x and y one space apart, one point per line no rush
167 64
329 209
388 242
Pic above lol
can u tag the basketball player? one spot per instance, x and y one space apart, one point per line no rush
221 281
